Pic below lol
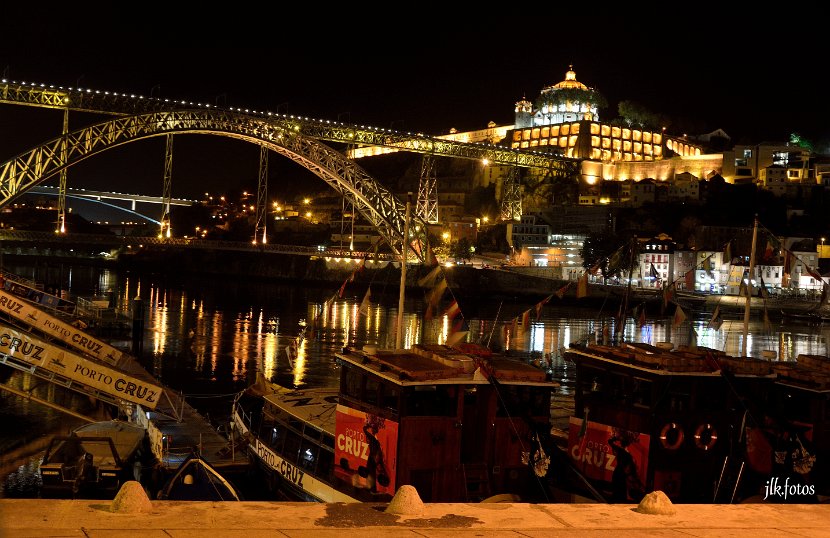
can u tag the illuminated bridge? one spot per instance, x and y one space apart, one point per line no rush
300 139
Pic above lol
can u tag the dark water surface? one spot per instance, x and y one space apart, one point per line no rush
208 337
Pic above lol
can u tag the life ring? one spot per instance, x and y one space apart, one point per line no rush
671 436
706 436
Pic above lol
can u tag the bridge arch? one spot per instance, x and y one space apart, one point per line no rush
376 203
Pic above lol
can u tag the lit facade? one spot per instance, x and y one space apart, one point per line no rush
565 119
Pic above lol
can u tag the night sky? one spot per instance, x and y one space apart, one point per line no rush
398 66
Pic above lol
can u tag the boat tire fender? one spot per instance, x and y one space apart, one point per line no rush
672 436
706 436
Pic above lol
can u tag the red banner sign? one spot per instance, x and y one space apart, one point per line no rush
596 458
366 450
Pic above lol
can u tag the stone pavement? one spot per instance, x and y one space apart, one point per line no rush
44 518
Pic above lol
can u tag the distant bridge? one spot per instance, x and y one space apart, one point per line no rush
102 195
51 240
296 138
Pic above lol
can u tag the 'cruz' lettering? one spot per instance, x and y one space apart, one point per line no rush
290 472
86 343
128 387
11 305
15 344
353 446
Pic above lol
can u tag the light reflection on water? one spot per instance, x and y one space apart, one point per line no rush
207 338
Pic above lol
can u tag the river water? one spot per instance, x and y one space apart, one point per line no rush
208 337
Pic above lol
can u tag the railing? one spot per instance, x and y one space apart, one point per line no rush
43 239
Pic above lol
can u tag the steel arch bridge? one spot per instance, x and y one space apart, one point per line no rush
376 203
296 138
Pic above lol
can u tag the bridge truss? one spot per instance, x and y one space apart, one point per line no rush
294 137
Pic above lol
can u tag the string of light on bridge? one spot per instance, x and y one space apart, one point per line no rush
240 110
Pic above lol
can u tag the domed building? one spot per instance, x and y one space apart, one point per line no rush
564 118
569 100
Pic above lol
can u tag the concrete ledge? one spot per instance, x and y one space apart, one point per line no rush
177 519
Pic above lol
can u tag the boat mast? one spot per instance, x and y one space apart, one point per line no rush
624 309
748 305
404 253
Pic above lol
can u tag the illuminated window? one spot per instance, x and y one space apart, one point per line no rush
594 141
545 132
565 129
594 128
626 133
534 133
606 130
637 135
526 135
575 128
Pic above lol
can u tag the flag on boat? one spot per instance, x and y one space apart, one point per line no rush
715 317
582 286
615 262
342 289
768 251
428 280
707 263
456 337
764 292
668 293
364 304
452 310
641 318
435 294
653 272
813 273
540 304
727 253
679 316
561 291
767 322
526 319
743 290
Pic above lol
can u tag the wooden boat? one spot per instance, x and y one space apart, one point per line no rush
95 459
697 424
197 480
459 427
